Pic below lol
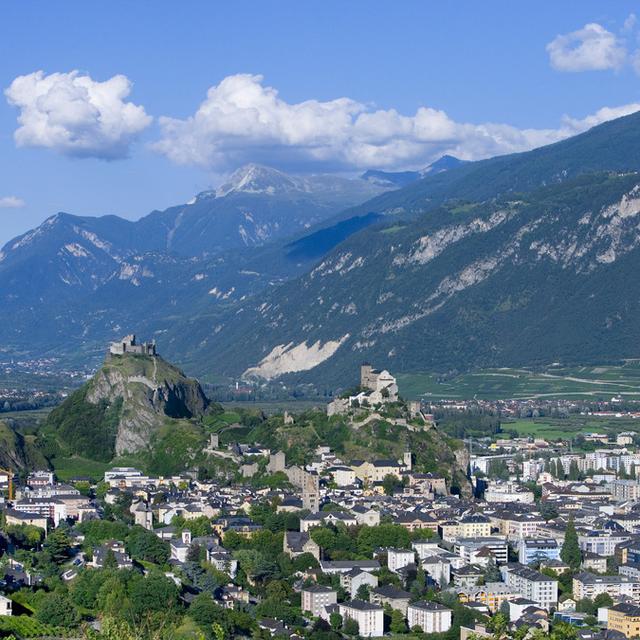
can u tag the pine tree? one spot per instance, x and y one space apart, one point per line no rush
571 553
574 471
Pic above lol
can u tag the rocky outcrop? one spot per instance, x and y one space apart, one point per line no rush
138 394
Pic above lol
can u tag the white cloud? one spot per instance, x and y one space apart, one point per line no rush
242 120
591 48
630 23
11 202
76 115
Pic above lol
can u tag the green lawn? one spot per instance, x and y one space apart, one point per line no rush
67 468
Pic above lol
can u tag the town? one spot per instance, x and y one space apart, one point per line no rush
538 539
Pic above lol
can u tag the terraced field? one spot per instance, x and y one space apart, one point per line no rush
595 382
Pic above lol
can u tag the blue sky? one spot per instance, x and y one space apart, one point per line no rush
418 79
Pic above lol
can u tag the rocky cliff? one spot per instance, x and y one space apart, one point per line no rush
17 451
124 406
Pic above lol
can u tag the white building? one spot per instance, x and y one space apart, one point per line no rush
533 585
508 492
180 548
370 617
316 597
5 606
398 558
590 585
431 617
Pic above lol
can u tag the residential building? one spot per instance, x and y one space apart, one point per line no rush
538 549
475 525
390 595
370 617
492 594
344 566
589 585
398 558
6 605
532 584
467 548
316 597
354 579
295 543
625 618
431 617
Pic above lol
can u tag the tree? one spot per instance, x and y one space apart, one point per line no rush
351 627
563 631
390 483
204 611
145 545
335 620
574 471
155 593
548 510
586 606
397 625
58 610
570 552
58 544
498 625
363 592
110 561
603 600
491 572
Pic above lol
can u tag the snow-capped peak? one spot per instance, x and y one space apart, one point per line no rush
255 178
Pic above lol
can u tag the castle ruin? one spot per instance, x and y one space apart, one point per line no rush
128 344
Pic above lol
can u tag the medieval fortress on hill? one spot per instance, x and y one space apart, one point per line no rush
128 344
377 387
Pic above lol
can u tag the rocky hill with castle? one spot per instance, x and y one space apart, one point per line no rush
126 403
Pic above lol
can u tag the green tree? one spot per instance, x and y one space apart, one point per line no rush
397 624
363 592
574 471
570 552
110 561
390 483
152 594
603 600
58 544
491 572
145 545
58 610
351 627
563 631
335 620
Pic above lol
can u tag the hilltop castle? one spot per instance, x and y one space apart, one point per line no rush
128 344
377 387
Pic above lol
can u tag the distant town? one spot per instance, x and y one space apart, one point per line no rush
544 536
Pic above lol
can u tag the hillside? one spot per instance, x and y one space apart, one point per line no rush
18 452
513 279
72 282
125 408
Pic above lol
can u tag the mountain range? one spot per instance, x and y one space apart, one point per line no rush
517 260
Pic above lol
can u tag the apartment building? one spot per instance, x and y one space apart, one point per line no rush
431 617
625 618
467 548
532 584
316 597
538 549
589 585
370 617
398 558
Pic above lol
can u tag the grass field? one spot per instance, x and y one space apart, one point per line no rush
592 382
67 468
557 428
